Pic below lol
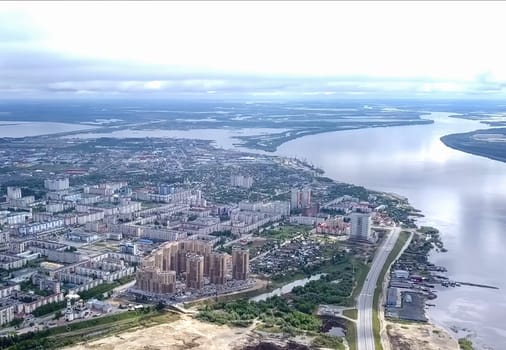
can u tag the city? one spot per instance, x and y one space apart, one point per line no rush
252 175
73 249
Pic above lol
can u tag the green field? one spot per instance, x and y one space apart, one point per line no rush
351 313
285 232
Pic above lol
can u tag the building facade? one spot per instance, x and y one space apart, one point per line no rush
360 226
194 271
240 263
218 268
300 198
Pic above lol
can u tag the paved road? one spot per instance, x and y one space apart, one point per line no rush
365 299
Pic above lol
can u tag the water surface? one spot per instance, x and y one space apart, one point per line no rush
287 288
461 194
26 129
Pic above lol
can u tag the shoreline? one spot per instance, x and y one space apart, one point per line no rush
454 141
416 231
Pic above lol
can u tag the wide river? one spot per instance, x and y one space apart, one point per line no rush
461 194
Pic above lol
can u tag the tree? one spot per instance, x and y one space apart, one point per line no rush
160 306
16 322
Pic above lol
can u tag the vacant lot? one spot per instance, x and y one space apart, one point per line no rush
185 333
419 337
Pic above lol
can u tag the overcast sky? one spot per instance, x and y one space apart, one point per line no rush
253 48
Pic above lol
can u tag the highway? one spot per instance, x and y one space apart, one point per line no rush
365 299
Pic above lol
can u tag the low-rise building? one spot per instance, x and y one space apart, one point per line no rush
99 305
128 248
80 236
38 227
11 262
8 290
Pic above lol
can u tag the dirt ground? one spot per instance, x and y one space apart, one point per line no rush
186 333
419 337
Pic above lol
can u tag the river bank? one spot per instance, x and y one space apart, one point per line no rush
487 143
462 195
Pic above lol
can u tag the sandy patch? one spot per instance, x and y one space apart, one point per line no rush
185 333
419 337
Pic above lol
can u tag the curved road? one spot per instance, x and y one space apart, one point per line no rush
365 299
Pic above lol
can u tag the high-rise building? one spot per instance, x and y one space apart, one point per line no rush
190 259
240 263
194 271
196 246
218 268
13 193
360 226
153 280
300 198
58 184
241 181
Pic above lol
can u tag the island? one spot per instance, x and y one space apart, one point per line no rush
489 143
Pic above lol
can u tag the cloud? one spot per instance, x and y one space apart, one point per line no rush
15 28
29 69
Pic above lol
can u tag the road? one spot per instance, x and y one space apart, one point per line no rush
365 299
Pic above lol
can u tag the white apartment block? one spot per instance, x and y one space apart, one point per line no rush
13 193
6 314
59 184
4 237
8 290
360 226
38 227
241 181
9 262
109 210
178 196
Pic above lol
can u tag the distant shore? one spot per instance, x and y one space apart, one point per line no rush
469 143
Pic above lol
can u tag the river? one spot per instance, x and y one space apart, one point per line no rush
287 288
461 194
27 129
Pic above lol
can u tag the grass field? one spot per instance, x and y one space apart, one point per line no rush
351 313
351 335
286 232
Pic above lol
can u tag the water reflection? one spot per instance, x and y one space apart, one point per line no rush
287 288
461 194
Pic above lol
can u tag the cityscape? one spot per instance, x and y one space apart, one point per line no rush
79 250
252 175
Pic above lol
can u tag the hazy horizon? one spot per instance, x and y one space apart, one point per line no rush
252 49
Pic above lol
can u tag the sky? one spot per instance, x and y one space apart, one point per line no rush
246 48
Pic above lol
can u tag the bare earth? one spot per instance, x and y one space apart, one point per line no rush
186 333
419 337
